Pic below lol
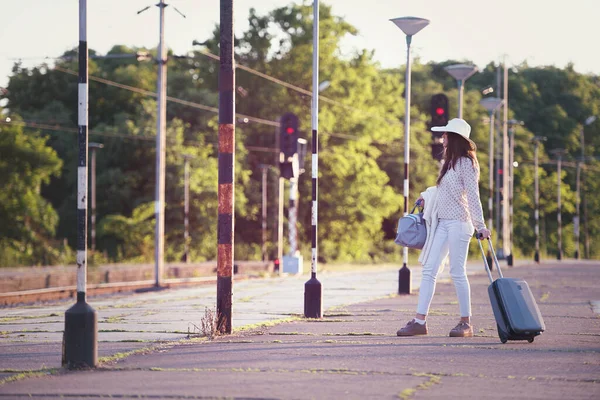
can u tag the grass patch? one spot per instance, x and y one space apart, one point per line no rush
406 394
21 317
337 314
26 374
267 324
433 380
439 313
325 320
114 319
120 356
354 334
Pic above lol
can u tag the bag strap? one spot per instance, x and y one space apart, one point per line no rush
417 204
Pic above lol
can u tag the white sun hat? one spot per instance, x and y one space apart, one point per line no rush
458 126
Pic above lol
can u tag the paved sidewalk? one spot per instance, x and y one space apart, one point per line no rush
353 351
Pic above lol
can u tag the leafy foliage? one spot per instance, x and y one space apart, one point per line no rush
361 146
28 221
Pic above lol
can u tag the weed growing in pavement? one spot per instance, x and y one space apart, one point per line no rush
208 325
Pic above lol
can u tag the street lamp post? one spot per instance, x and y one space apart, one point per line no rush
410 26
577 221
186 208
461 72
93 146
511 170
536 142
491 104
559 153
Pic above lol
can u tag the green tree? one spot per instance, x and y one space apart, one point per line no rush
28 221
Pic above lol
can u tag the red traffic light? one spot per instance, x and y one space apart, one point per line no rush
289 130
439 111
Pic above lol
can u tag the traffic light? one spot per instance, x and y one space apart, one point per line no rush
288 146
439 117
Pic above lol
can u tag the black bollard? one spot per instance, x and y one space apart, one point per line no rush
404 281
313 298
80 342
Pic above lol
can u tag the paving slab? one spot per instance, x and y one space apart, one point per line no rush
353 352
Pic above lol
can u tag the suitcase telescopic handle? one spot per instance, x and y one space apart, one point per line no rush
487 267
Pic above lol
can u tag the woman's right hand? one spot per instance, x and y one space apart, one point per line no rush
420 202
484 234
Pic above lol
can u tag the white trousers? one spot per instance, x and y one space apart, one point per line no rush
451 237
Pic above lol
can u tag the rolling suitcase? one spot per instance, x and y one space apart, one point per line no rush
517 314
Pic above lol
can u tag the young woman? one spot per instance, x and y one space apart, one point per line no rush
459 213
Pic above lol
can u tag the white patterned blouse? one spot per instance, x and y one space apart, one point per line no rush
458 194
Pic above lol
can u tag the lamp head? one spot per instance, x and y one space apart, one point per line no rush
410 25
491 104
461 72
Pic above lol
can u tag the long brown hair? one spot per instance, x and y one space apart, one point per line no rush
456 148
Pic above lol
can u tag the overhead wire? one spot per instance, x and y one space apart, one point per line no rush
60 128
169 98
296 88
201 106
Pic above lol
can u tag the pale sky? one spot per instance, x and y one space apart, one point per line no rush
482 31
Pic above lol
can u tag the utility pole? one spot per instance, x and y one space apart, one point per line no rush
159 206
577 219
293 217
278 228
186 208
559 154
80 337
93 147
505 166
161 140
264 169
536 143
511 169
226 228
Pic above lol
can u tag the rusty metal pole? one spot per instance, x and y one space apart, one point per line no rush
225 227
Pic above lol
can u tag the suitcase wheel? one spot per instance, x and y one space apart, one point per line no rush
530 340
503 338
